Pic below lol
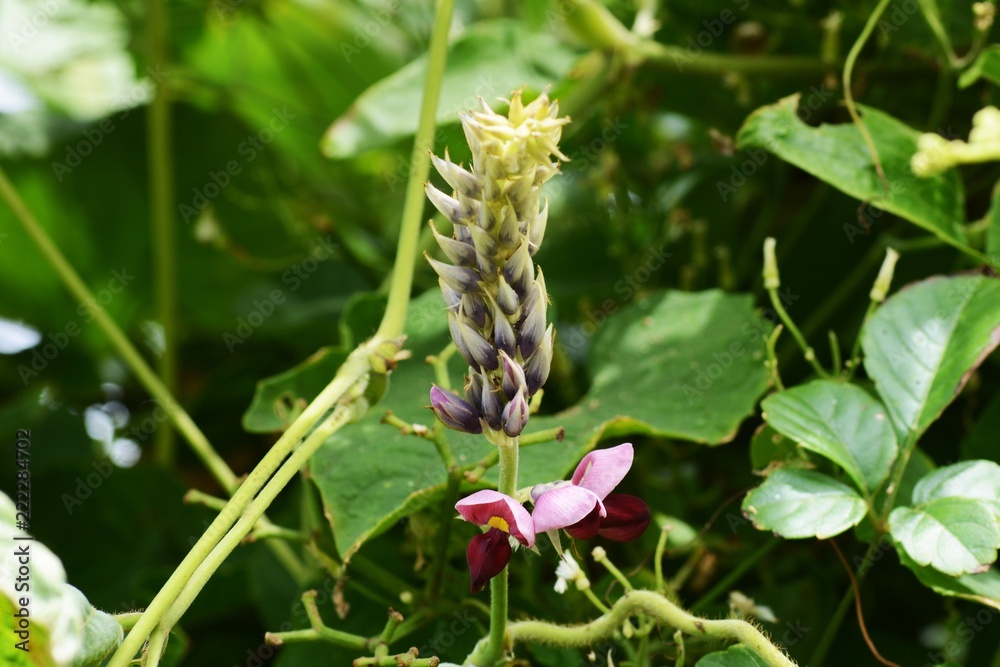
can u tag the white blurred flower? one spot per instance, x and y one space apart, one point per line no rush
568 571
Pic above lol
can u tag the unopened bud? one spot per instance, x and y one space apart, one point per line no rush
513 376
454 411
884 280
515 415
771 278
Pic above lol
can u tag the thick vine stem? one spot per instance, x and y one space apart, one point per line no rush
655 605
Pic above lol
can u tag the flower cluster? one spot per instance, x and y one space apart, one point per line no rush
496 302
583 505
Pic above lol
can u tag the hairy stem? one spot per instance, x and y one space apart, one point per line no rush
498 585
634 603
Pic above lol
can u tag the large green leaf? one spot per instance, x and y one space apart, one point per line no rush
993 227
986 66
707 344
922 344
953 535
841 422
488 60
838 155
734 656
803 503
983 588
976 480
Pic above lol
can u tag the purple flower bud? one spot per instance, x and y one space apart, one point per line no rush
515 415
474 388
513 376
461 180
506 297
457 277
518 271
532 327
474 309
508 234
449 206
536 368
475 349
454 412
536 231
452 298
462 254
483 241
503 332
463 234
492 407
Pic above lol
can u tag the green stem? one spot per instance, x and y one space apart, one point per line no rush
726 583
601 556
341 416
634 603
855 361
852 57
498 585
832 627
601 607
807 351
350 373
154 649
661 546
413 204
161 187
146 376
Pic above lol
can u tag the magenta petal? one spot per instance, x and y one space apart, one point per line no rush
601 470
487 555
627 519
587 527
563 506
483 505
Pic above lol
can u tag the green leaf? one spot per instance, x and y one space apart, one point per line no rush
101 633
490 59
983 588
838 155
975 480
803 503
993 226
768 447
709 345
922 345
280 398
986 66
841 422
689 365
734 656
953 535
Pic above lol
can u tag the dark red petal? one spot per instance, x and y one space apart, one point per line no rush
488 554
627 519
586 528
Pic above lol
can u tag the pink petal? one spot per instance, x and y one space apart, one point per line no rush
601 470
483 505
563 506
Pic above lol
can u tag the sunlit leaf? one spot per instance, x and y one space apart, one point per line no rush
803 503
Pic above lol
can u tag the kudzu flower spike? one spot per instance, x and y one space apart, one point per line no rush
496 300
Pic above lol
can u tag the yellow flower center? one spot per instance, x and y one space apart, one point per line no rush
498 522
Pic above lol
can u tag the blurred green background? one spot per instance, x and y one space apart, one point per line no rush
292 126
